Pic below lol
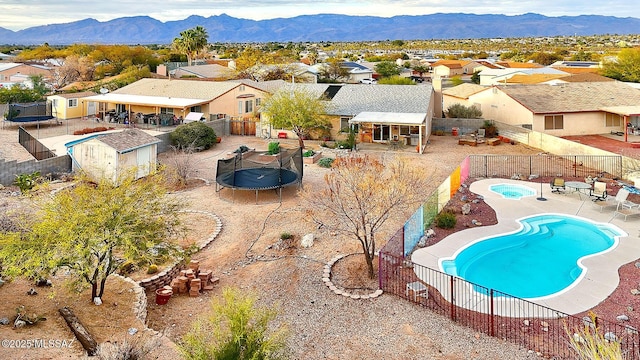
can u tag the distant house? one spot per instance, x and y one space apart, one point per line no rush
207 71
7 70
447 68
71 105
502 76
111 154
563 109
460 95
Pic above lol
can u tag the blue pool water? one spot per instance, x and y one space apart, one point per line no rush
540 259
512 191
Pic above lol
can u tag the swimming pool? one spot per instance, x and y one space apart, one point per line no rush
542 258
512 191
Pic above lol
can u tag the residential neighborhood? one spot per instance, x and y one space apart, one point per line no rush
340 195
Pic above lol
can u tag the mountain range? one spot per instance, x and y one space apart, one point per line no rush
322 27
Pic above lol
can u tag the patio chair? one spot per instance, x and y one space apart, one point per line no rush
625 207
557 185
599 191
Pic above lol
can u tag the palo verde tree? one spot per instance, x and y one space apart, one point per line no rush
91 229
626 67
297 109
362 194
191 42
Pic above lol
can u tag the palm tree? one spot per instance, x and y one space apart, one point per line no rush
191 42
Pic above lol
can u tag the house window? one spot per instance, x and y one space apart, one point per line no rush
344 123
554 122
196 109
166 110
258 102
241 88
73 103
248 106
239 107
613 120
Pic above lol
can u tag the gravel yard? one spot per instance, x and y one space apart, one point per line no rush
322 325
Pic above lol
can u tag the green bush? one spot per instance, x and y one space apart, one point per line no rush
325 162
196 135
285 236
26 182
274 148
446 220
308 153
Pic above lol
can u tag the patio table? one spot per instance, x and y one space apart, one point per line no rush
578 187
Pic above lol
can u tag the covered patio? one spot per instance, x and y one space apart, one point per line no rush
140 104
383 127
631 119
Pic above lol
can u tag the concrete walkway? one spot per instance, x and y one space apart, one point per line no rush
601 277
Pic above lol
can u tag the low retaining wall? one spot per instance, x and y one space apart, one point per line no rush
164 277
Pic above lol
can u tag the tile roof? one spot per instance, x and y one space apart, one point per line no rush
518 65
585 77
128 140
572 97
532 78
463 91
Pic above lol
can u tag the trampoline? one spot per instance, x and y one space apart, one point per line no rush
258 172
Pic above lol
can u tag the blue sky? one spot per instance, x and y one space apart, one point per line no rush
21 14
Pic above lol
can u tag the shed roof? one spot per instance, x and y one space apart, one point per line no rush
128 140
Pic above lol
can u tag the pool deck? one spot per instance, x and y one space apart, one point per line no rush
601 278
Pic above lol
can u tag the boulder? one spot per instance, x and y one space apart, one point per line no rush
466 209
307 240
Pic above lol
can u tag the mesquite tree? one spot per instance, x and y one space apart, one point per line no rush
362 194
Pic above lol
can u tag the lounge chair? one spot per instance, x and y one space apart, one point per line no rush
625 207
599 191
557 185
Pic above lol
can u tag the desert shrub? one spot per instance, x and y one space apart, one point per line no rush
285 236
152 269
127 267
26 182
325 162
134 348
446 220
274 148
235 328
195 134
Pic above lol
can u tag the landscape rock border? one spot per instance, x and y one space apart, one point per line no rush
164 277
326 278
